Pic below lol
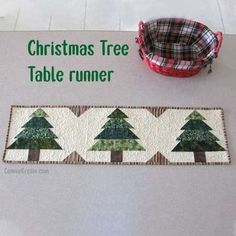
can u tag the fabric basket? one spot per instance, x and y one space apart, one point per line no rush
177 47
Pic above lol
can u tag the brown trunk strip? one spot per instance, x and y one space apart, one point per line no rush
200 157
33 154
116 156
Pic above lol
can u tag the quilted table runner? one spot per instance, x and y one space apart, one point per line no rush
116 135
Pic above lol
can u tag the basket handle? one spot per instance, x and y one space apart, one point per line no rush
219 36
139 39
140 25
140 29
140 54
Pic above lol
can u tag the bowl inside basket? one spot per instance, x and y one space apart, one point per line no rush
178 39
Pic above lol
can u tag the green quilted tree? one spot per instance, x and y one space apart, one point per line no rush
36 135
117 137
197 138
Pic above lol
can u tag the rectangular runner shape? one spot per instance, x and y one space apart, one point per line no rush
116 135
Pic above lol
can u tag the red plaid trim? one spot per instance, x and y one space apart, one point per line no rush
178 43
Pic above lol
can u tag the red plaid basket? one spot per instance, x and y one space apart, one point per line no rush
177 47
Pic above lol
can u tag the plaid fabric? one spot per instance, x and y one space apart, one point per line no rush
178 43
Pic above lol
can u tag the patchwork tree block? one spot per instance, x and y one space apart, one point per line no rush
36 135
116 135
197 138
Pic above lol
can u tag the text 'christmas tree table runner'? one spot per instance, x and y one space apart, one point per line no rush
116 135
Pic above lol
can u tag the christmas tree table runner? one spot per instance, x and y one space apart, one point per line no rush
116 135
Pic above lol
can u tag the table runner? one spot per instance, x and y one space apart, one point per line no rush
116 135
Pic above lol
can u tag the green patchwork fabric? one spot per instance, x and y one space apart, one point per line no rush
195 146
195 116
116 135
117 145
36 134
22 143
117 113
115 123
41 133
37 123
39 113
197 135
196 125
